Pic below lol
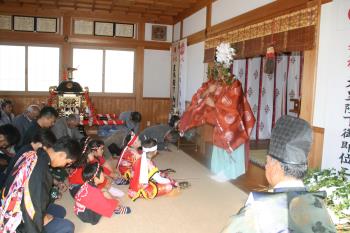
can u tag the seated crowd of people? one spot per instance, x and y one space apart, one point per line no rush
41 153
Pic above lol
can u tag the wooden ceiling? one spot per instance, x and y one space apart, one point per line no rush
143 8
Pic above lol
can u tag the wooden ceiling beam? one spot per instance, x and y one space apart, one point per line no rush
196 7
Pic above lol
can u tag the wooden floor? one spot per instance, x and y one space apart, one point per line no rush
253 180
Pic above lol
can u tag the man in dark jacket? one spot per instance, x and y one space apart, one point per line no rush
31 192
47 118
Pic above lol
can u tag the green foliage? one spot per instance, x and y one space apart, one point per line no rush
220 73
337 186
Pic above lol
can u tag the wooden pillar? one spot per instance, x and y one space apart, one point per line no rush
308 86
67 53
139 78
208 18
308 89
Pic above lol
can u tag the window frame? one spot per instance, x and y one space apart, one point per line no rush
26 45
103 93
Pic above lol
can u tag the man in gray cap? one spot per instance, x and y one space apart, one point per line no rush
289 207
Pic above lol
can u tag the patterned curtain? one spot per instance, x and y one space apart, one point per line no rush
270 95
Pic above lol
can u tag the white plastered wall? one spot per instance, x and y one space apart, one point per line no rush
156 79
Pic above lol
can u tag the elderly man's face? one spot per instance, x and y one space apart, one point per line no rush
33 115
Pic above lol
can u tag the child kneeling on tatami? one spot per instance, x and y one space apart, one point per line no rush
92 203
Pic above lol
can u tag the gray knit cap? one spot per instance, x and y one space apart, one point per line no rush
290 140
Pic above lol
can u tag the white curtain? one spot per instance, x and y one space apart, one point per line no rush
293 81
239 69
270 95
253 88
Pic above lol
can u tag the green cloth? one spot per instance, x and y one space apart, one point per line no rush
297 212
228 165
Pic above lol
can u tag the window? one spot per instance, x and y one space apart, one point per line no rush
42 65
12 68
89 63
43 68
108 71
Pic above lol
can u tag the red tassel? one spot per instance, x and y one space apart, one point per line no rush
65 76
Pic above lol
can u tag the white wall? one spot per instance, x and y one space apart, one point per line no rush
177 31
226 9
333 74
156 78
196 72
323 70
148 32
195 23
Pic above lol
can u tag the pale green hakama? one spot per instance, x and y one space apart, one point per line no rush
227 166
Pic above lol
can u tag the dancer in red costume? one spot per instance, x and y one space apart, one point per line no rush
129 154
147 181
226 108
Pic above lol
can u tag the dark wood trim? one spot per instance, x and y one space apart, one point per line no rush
27 37
196 37
181 29
141 31
208 17
318 129
97 15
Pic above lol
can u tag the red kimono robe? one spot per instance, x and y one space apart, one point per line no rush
91 204
125 163
232 117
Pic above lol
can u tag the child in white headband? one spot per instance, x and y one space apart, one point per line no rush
147 181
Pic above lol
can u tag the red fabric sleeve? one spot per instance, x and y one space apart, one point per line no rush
97 202
76 177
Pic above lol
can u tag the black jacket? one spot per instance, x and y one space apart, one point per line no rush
40 183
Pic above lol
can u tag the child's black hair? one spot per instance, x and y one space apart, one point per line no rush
149 142
126 140
88 145
135 116
91 171
173 120
94 144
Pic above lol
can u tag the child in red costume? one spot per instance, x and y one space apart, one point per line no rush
129 154
147 181
92 153
91 203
